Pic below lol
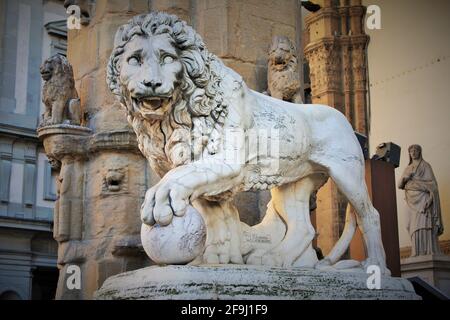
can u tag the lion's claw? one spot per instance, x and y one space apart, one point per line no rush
147 208
162 202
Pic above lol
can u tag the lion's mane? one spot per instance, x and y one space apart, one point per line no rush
195 122
62 78
285 81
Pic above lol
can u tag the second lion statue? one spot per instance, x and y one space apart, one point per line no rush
192 115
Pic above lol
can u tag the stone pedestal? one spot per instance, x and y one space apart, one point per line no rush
102 179
240 282
434 269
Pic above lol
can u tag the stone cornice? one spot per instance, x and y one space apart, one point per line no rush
357 10
405 252
113 140
58 28
322 42
326 91
321 14
79 142
344 40
359 39
63 129
343 11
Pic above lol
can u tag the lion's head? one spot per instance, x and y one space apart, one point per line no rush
57 67
282 53
165 78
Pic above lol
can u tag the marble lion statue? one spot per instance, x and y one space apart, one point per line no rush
192 115
283 78
59 94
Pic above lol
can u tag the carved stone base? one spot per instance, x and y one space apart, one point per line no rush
241 282
434 269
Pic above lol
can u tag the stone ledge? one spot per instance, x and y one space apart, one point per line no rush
114 140
240 282
428 261
405 252
68 129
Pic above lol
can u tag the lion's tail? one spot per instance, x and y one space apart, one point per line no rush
347 235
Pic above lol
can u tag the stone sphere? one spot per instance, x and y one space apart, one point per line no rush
180 242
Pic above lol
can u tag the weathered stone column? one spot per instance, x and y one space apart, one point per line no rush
336 54
65 146
103 176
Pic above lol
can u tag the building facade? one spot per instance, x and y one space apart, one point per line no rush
409 63
30 32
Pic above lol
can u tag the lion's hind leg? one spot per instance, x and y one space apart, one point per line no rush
271 227
350 180
291 201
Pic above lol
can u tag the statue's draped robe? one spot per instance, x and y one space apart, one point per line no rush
424 222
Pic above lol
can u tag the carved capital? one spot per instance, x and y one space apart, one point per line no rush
324 62
114 140
324 13
357 11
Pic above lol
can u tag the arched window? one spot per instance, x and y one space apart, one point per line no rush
10 295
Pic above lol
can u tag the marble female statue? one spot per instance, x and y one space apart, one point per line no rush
424 221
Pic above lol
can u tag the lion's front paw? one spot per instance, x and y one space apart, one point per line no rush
162 202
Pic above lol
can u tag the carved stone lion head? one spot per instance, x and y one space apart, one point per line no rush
156 58
56 66
162 72
282 53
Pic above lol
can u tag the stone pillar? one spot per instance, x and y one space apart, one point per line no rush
101 185
103 176
336 53
65 146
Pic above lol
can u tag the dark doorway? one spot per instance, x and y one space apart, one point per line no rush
44 283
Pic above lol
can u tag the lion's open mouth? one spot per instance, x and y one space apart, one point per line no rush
46 75
152 103
151 107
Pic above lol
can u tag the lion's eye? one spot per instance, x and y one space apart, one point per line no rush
134 61
168 59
